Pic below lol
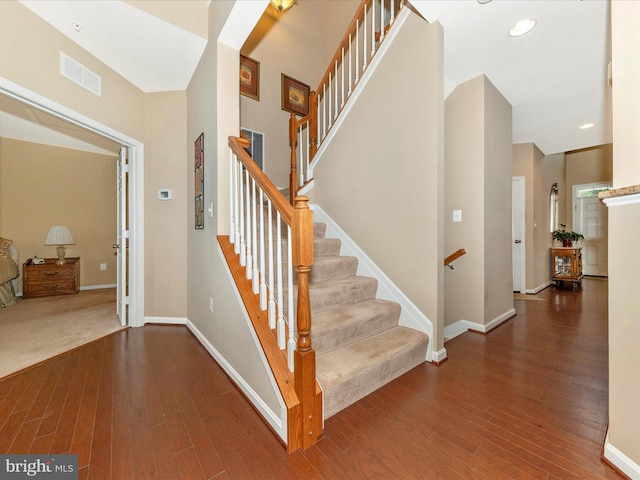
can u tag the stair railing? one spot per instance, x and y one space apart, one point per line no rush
258 214
358 46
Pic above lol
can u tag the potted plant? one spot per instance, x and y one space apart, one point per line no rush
566 238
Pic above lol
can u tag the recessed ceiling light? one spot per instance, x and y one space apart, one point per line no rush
482 2
586 125
522 27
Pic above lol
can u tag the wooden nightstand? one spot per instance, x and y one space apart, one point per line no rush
50 279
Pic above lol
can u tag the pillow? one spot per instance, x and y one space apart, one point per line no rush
4 247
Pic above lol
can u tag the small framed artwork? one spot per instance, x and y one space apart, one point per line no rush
295 96
199 182
249 77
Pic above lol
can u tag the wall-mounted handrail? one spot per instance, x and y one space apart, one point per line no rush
448 262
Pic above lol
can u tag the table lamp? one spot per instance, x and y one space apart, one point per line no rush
60 236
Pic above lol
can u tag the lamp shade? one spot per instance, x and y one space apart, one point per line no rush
59 236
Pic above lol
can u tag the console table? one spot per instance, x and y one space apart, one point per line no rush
50 279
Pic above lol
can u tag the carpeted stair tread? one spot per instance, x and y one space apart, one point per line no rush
346 324
331 293
352 372
332 267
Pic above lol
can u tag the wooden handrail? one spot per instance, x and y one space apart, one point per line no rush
453 257
305 417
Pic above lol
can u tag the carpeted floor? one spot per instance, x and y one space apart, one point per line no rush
37 329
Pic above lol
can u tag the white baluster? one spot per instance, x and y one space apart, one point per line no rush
243 247
364 39
236 213
324 111
357 50
350 66
280 322
254 240
382 21
232 227
300 158
249 268
263 274
318 113
271 306
343 89
335 77
373 28
330 120
291 343
393 12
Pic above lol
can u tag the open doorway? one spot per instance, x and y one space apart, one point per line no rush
131 294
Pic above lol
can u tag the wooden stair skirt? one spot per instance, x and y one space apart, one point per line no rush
359 345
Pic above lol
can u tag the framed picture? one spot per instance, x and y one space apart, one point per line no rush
249 77
295 96
199 182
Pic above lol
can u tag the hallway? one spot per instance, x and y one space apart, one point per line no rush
526 401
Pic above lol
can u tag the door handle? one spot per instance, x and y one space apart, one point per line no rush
518 241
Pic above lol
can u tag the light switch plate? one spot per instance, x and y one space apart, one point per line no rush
457 215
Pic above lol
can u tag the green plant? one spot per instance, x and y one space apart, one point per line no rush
567 238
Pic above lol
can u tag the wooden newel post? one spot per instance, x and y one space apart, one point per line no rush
293 142
305 356
313 124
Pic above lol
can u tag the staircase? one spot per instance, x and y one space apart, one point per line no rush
358 342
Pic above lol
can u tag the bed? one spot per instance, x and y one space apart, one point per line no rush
9 272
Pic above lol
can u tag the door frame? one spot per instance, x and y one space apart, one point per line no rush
136 184
522 264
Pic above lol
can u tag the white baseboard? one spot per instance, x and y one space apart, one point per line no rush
98 287
166 320
621 461
410 315
439 356
538 289
461 326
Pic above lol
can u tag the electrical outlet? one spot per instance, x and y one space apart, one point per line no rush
210 305
103 266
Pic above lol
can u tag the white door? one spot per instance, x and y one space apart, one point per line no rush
590 219
121 246
518 233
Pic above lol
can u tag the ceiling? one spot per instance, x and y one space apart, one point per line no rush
555 77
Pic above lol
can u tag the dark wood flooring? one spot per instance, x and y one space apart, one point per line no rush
527 401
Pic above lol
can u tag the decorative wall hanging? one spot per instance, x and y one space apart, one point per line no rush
199 181
295 96
249 77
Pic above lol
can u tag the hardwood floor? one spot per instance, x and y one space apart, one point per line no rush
527 401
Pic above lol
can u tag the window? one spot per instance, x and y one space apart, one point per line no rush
256 149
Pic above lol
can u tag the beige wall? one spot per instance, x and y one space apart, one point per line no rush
383 186
123 108
213 105
540 173
42 186
464 190
549 169
285 43
166 221
624 230
478 175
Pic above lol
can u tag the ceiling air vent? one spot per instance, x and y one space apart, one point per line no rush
80 74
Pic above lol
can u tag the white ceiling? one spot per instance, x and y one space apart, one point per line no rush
555 77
